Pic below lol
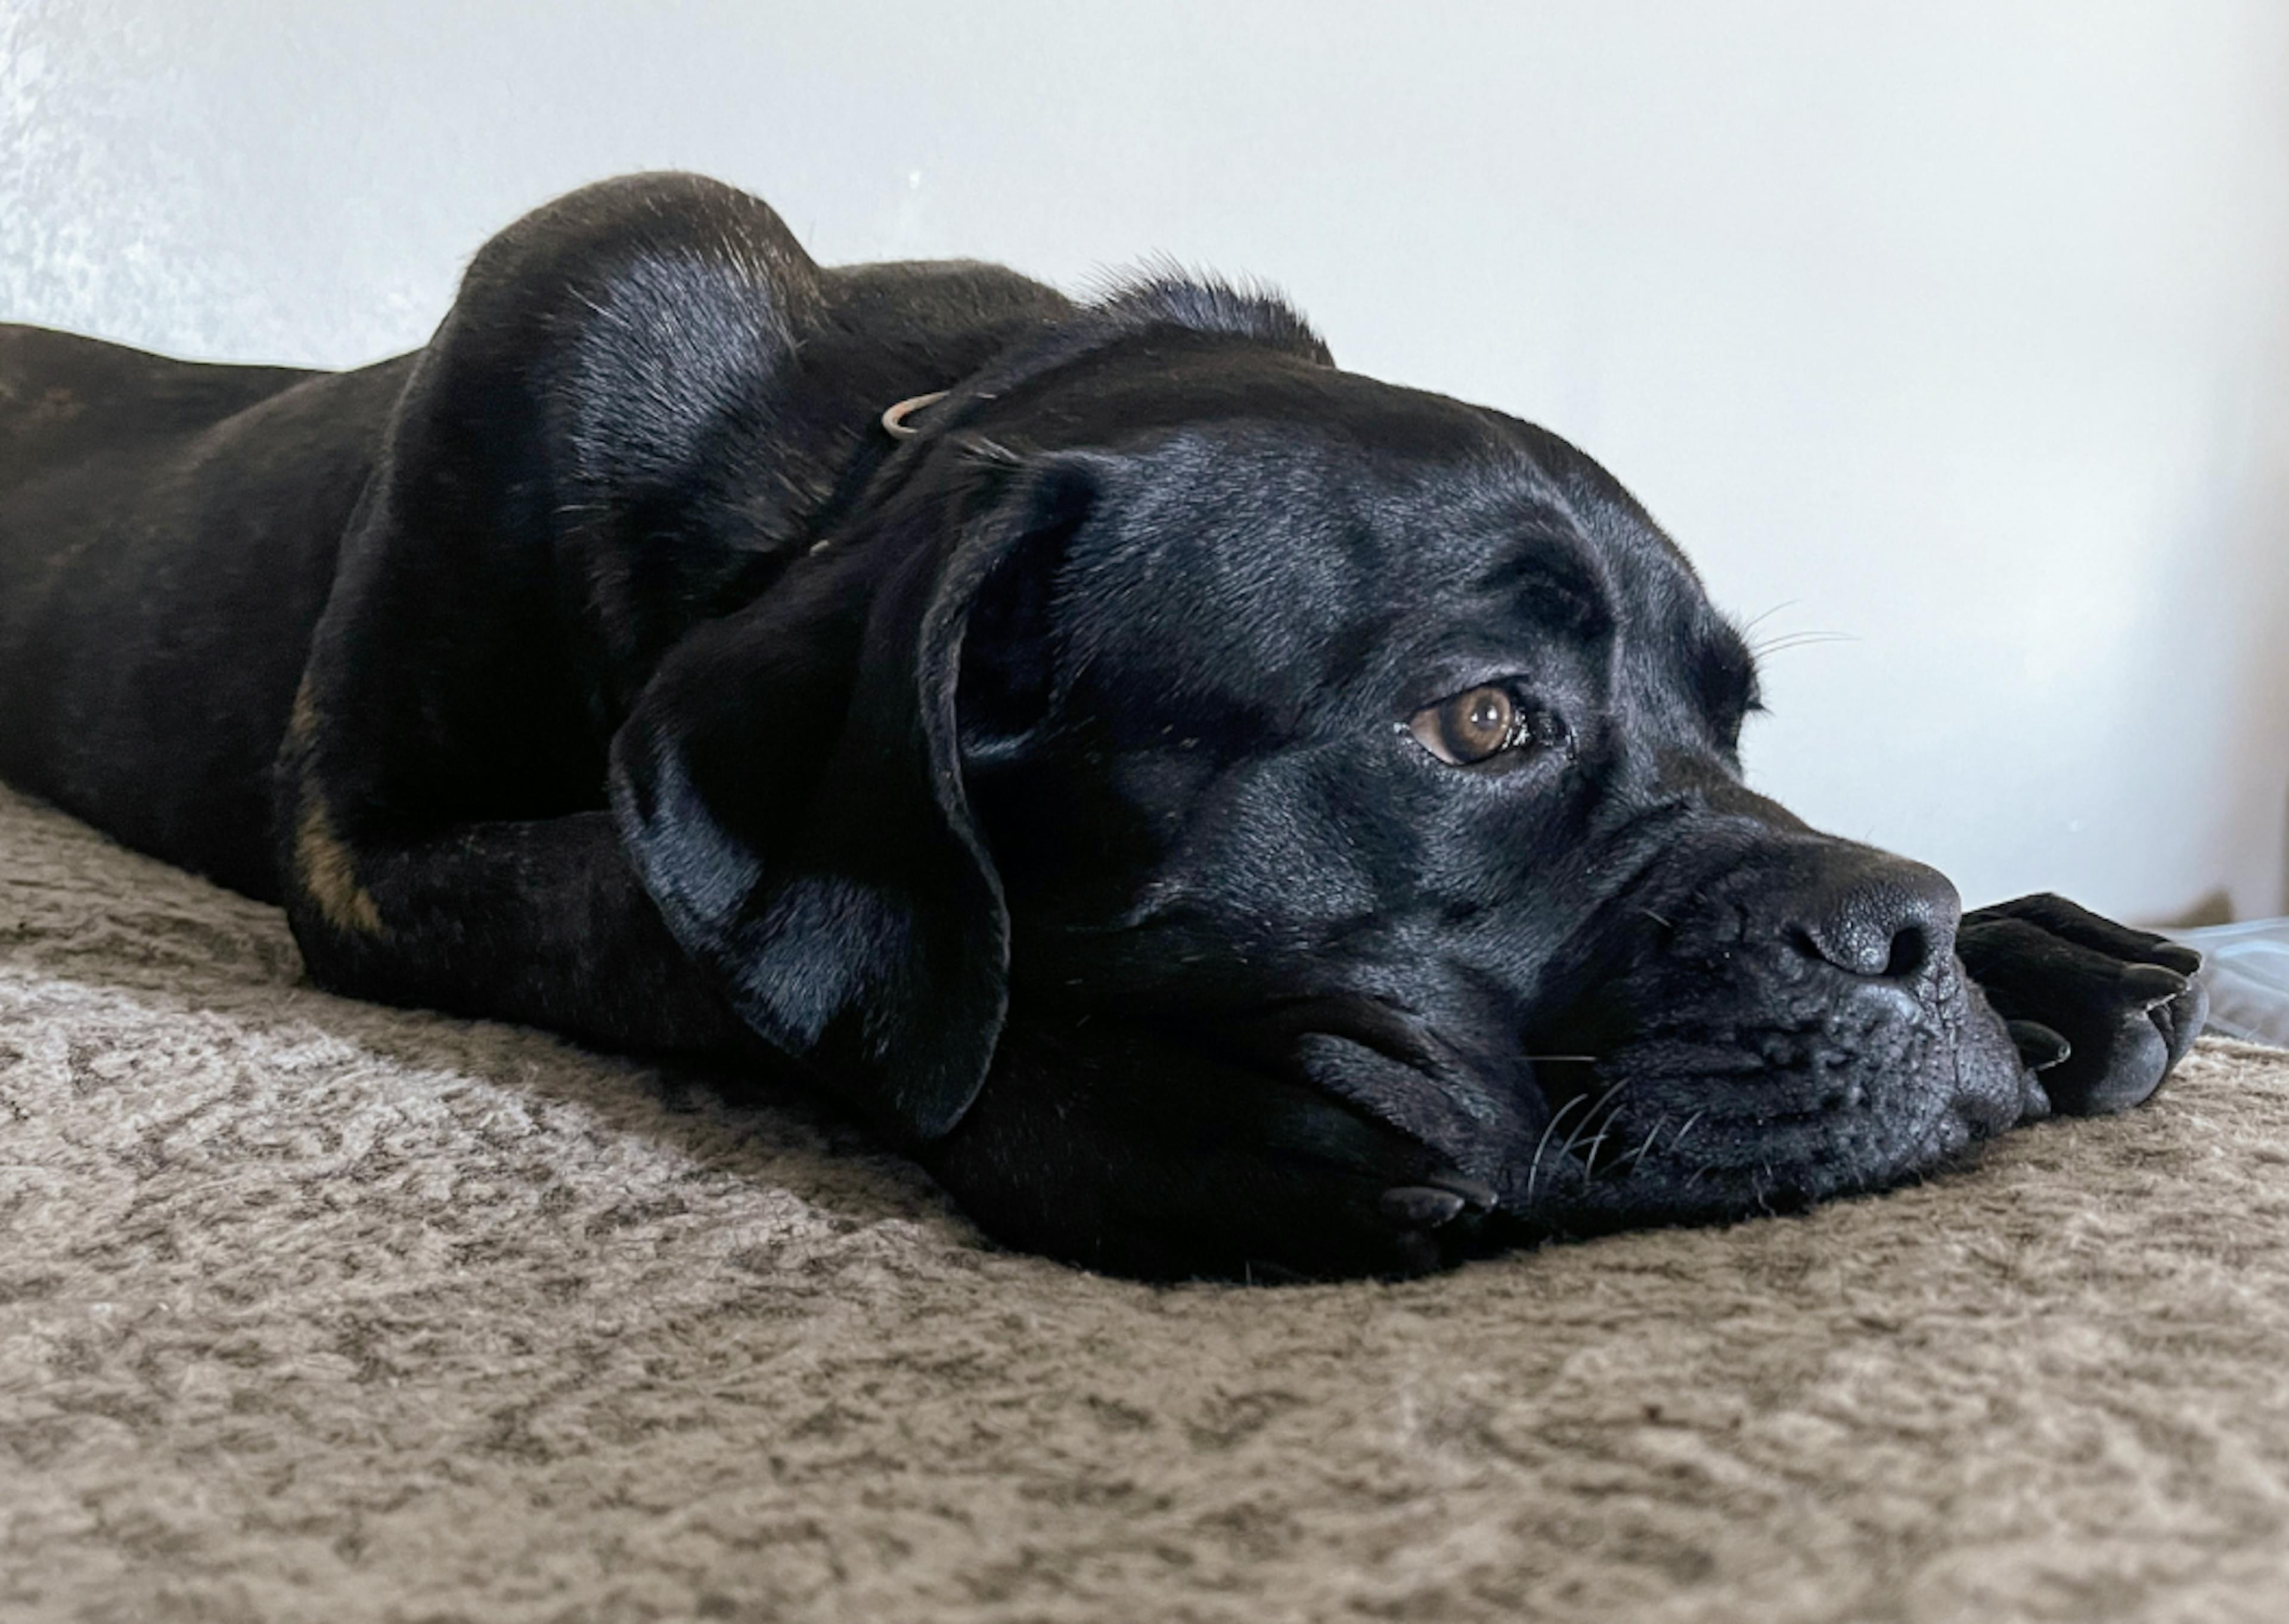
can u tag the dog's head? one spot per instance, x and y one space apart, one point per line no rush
1173 686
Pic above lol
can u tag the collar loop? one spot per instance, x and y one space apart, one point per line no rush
894 417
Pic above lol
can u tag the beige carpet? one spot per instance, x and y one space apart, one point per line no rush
311 1310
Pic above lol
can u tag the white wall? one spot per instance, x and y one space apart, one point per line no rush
1958 328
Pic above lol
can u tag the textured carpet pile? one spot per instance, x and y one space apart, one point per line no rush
315 1310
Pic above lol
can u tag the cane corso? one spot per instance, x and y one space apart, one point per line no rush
1224 814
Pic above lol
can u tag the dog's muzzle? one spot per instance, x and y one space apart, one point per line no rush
1783 1020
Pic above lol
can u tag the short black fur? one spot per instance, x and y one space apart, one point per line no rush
1050 787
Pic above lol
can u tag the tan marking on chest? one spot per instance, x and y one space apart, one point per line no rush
302 721
327 875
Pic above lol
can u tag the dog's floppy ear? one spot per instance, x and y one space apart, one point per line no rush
789 786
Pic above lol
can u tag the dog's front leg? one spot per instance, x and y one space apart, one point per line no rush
541 922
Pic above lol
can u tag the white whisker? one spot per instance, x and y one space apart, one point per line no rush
1534 1168
1574 1138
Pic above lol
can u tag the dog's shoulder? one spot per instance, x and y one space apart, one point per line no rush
602 335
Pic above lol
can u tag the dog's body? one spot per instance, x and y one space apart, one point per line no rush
1335 832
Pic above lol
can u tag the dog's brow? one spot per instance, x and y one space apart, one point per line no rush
1550 568
1725 670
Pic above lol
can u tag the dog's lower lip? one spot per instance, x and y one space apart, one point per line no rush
1669 1186
1874 1085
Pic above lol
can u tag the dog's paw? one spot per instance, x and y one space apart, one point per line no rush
1177 1166
2100 1012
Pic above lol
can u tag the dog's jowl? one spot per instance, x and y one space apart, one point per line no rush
1224 814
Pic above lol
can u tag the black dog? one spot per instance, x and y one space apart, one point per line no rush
1221 812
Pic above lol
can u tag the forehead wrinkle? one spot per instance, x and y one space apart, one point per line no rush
1637 553
1552 561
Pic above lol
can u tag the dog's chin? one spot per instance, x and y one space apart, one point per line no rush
1704 1117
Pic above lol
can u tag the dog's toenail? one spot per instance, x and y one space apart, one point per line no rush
2176 956
2152 984
1415 1206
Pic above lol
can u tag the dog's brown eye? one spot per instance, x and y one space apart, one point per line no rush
1469 727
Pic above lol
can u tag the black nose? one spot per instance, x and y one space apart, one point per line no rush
1867 912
